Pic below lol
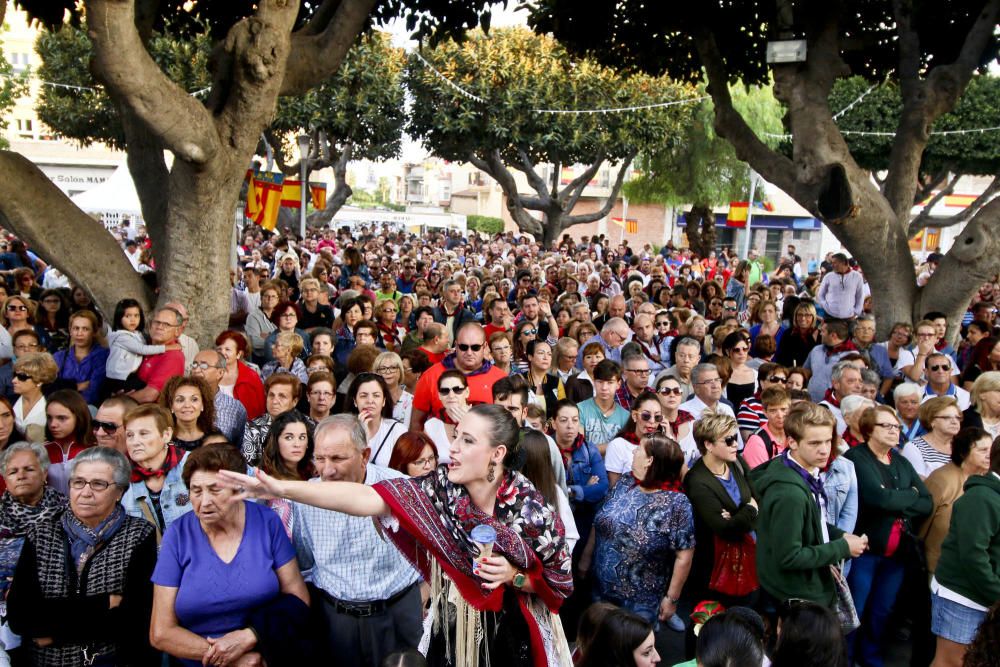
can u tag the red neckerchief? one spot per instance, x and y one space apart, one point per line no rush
846 346
390 335
631 436
174 456
669 485
849 438
567 454
940 345
830 398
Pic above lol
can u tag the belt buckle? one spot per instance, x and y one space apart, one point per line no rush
364 610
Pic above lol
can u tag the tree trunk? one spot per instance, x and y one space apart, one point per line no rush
700 229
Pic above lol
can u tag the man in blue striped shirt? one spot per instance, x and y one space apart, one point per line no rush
366 592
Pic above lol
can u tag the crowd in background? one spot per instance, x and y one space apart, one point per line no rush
728 448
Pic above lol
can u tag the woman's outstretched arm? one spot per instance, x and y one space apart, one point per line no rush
347 497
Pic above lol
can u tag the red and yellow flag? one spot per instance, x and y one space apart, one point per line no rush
737 214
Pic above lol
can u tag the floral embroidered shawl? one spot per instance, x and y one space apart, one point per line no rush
437 516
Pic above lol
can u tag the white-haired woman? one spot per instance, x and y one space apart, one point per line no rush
851 408
81 592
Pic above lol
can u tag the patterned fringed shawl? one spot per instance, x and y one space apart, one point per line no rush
430 524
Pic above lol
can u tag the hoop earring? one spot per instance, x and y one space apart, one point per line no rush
490 476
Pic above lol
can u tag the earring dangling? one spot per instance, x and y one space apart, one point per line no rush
490 476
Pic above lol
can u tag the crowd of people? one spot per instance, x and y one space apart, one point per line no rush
459 451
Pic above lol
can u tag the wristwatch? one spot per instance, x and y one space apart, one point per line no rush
519 580
671 600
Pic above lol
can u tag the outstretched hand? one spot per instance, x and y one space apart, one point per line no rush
263 486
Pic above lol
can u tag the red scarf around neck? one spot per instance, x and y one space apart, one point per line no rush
174 456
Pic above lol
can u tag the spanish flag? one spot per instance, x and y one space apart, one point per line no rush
737 214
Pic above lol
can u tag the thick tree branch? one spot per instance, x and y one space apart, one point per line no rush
527 167
925 220
493 165
38 212
929 184
148 168
570 220
577 185
123 65
774 167
315 57
321 18
974 259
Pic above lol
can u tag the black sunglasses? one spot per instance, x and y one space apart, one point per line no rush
649 416
464 347
777 378
940 367
731 440
23 377
444 391
107 427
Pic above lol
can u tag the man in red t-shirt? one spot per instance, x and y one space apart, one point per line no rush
156 369
436 342
500 316
469 358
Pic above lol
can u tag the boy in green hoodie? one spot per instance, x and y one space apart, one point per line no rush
795 545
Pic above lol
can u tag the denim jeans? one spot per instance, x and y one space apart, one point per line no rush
874 582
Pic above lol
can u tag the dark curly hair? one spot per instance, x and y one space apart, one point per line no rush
986 645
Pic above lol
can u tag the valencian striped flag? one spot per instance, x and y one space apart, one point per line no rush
267 192
631 225
737 214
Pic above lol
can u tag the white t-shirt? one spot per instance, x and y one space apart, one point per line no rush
385 441
618 456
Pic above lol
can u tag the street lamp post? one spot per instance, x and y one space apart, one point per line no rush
303 175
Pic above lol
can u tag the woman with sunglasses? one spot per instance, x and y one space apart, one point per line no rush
525 332
32 371
645 418
453 388
671 395
725 509
19 314
644 535
743 379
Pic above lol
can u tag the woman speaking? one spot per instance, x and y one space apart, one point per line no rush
435 520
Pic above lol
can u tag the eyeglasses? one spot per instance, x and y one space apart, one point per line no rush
890 427
925 335
107 427
464 347
384 370
501 348
529 332
663 324
321 394
15 307
711 381
203 365
732 308
666 391
22 377
96 484
638 371
650 417
424 462
161 323
444 391
940 367
731 440
951 418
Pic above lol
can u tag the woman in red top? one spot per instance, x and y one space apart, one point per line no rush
240 380
67 433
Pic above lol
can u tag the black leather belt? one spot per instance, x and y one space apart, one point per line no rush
365 609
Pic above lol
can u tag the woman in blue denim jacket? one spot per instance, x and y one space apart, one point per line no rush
841 485
586 476
156 492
